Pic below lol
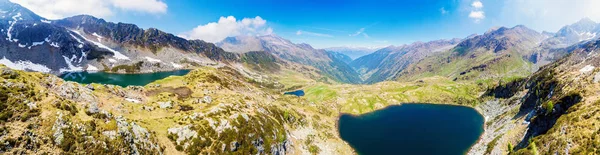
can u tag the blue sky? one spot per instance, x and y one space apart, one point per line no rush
329 23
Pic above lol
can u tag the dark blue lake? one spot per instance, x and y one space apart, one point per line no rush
120 79
419 129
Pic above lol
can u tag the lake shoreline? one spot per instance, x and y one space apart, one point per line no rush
109 72
122 80
475 109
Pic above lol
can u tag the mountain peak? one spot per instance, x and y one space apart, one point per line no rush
585 21
492 29
584 29
583 25
305 45
12 10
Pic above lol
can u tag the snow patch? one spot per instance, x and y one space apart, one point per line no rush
24 65
117 55
54 44
586 69
74 37
78 40
132 100
176 65
112 60
45 21
70 66
152 59
92 68
12 24
586 36
47 39
98 36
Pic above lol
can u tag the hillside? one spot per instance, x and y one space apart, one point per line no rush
386 63
499 53
551 111
207 111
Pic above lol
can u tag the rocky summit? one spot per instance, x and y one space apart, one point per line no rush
75 80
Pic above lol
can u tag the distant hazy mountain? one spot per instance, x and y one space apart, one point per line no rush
328 63
353 52
553 48
385 63
344 58
584 29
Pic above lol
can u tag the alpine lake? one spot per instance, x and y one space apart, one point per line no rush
419 129
122 80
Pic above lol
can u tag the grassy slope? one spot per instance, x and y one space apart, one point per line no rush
240 111
358 99
499 67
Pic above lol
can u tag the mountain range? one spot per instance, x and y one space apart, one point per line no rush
328 63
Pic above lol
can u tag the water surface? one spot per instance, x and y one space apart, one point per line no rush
120 79
419 129
298 93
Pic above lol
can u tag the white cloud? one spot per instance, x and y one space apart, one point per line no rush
549 15
56 9
477 13
300 32
227 27
477 4
360 31
443 11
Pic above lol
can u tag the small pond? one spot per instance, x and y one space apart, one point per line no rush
298 93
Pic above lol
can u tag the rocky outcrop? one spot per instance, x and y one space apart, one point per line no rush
183 133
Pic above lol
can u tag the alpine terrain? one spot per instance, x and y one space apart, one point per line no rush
262 93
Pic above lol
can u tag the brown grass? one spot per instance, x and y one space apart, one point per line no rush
181 92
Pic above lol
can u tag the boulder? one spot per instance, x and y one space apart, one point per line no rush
183 133
90 87
207 99
93 108
234 146
164 105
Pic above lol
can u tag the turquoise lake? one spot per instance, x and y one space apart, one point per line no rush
123 80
